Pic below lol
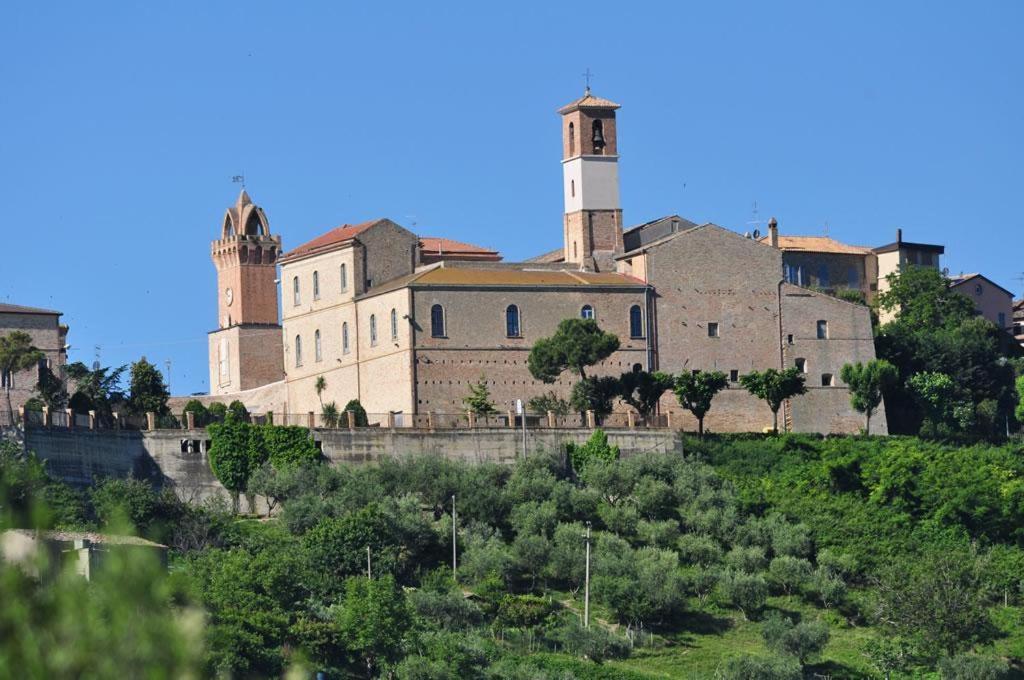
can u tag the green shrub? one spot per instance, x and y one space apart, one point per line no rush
758 668
358 413
746 592
972 667
596 448
799 640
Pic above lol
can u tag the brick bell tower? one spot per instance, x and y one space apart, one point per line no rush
245 350
590 173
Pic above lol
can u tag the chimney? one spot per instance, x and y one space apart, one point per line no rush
899 236
773 232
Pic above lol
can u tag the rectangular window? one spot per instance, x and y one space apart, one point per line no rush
822 330
1002 320
713 329
826 380
734 375
344 278
801 365
695 371
789 339
7 379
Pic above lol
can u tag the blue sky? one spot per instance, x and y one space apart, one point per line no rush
121 125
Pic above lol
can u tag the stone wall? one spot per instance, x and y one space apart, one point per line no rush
178 459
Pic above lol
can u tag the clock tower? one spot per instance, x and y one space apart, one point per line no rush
245 350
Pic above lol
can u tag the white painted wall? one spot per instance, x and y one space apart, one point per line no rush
596 181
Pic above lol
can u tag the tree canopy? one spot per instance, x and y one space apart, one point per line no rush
577 344
867 382
774 387
696 390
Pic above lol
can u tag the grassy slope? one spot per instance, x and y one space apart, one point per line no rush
717 634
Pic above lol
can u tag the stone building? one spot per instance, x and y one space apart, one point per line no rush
1018 320
48 335
990 300
406 323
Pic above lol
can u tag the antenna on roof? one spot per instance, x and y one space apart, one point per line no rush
826 227
754 221
96 358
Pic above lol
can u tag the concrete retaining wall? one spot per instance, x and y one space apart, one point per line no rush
177 458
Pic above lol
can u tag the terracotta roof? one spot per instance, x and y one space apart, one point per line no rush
345 232
462 276
19 309
439 275
816 244
435 245
110 539
588 101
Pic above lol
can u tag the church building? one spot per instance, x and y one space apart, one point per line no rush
406 323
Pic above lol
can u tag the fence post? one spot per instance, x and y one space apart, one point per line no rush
310 423
150 420
46 416
511 418
391 420
668 420
591 420
551 419
92 420
190 420
21 416
350 416
430 420
71 417
472 419
117 420
630 420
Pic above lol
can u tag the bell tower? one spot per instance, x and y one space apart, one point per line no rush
590 174
245 350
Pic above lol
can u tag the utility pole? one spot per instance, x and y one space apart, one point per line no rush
454 558
586 585
369 574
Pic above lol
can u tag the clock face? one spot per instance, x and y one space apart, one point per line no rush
229 296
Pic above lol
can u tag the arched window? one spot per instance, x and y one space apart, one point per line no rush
298 350
295 291
344 277
394 325
574 250
437 321
344 337
316 285
243 254
257 255
587 312
373 329
572 139
512 321
317 348
270 256
636 322
598 136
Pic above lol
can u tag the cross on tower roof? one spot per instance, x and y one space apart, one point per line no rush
587 75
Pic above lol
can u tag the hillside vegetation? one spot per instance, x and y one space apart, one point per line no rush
749 557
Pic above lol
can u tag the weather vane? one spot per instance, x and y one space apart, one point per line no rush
238 179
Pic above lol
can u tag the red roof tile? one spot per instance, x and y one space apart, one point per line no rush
435 244
345 232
